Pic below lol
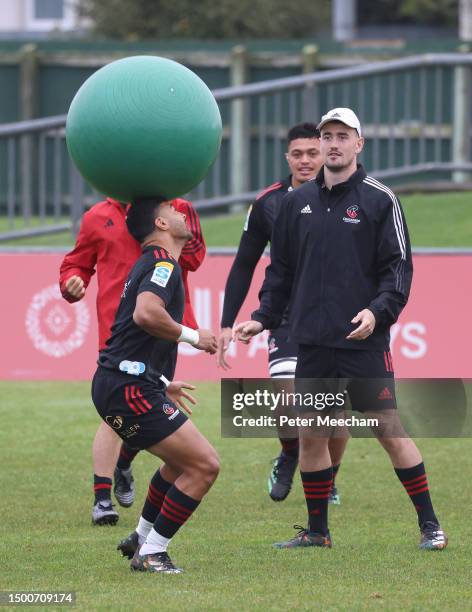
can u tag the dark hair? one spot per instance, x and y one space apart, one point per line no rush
303 130
141 216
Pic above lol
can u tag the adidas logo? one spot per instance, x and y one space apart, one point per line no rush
385 394
109 223
306 210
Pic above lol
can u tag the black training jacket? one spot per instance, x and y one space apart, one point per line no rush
334 253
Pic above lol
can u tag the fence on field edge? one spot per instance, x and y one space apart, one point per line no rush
415 112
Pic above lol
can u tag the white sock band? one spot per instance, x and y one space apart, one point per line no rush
189 335
143 528
155 543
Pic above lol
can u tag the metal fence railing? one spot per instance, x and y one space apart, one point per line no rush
415 112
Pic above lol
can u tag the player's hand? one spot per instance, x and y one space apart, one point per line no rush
245 331
207 341
75 287
225 337
367 324
175 392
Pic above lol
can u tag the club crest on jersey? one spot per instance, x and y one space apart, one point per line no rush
168 409
162 273
352 214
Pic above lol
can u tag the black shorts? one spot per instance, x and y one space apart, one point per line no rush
367 376
139 411
282 354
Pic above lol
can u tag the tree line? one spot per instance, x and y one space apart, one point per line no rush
220 19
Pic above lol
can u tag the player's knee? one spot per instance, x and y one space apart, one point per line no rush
209 468
393 446
213 467
312 445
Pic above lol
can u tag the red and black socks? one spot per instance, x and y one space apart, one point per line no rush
157 491
416 485
176 509
317 486
101 488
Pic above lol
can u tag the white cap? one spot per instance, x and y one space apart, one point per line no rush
344 115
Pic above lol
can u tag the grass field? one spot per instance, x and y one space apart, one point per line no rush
48 542
439 220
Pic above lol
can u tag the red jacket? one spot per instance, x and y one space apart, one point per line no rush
104 243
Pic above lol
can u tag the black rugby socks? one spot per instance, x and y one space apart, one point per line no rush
317 486
416 485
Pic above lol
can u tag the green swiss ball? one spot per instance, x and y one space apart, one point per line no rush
143 126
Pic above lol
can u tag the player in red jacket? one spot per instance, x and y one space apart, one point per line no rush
105 246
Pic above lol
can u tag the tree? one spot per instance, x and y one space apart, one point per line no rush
147 19
430 12
435 12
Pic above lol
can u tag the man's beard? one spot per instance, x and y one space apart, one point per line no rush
335 168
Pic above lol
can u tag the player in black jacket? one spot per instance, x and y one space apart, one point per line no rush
132 393
341 261
304 161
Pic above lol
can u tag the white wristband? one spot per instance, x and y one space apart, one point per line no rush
189 335
164 380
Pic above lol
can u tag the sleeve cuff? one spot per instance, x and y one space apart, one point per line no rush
377 314
261 318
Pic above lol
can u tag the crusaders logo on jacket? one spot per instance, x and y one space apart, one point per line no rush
352 216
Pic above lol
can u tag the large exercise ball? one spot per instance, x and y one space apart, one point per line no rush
143 126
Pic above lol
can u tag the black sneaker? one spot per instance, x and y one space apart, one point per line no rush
124 487
432 537
281 478
305 538
334 497
129 545
104 513
157 562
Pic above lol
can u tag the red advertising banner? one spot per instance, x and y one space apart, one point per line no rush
45 338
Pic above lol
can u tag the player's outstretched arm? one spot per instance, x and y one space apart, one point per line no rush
245 331
150 314
251 246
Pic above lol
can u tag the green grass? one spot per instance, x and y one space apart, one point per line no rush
48 542
440 220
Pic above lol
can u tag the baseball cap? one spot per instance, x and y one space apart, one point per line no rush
344 115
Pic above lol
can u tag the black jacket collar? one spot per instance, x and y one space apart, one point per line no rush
358 176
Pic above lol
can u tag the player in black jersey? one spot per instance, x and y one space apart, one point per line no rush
131 388
304 161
